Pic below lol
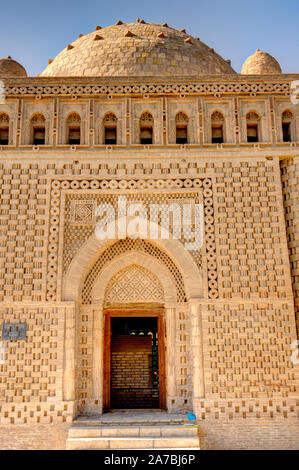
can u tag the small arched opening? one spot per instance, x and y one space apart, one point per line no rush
217 127
73 123
146 128
38 127
181 124
253 127
110 129
4 129
287 120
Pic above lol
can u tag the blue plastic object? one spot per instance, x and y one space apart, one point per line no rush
191 417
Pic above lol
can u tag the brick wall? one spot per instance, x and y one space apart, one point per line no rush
31 375
37 437
214 434
290 181
260 434
131 374
247 329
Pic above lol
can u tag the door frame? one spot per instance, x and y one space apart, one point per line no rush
157 312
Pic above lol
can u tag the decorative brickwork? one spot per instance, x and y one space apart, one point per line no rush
31 376
248 351
22 233
290 184
279 86
249 236
80 214
134 284
227 307
183 358
125 246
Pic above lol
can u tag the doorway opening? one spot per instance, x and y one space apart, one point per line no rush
134 376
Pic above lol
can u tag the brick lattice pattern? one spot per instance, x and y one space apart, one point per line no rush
232 311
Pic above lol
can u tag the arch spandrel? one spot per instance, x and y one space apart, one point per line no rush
92 250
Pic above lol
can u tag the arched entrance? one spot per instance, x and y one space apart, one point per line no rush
134 279
134 340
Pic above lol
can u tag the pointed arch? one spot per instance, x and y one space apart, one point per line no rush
146 124
38 129
110 128
94 249
73 128
217 127
287 125
253 126
181 126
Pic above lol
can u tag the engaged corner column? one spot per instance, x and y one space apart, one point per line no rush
97 369
69 354
170 316
197 351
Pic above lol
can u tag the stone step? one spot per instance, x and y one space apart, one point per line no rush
114 443
141 418
121 422
132 431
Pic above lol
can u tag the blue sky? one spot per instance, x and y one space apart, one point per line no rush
33 31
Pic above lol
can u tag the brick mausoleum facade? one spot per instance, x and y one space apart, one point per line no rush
150 113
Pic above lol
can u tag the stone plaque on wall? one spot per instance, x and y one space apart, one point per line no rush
14 331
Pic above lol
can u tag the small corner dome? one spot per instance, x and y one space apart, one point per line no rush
260 63
11 68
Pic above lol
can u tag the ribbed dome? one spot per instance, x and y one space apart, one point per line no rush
261 63
11 68
137 49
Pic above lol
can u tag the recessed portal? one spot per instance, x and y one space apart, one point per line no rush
134 361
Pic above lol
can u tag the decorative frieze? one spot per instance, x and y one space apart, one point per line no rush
203 87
